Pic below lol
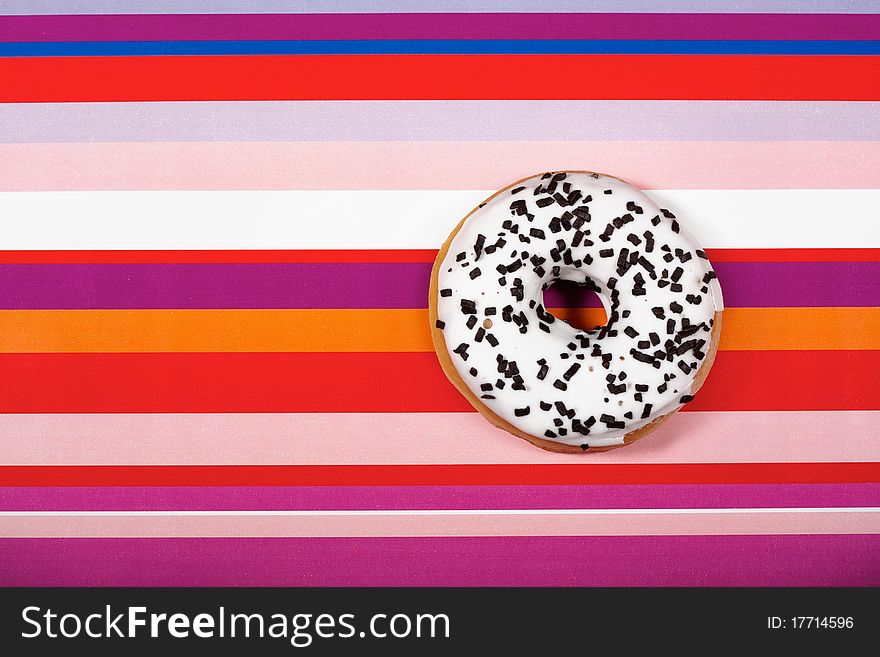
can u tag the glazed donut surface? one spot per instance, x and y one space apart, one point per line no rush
538 374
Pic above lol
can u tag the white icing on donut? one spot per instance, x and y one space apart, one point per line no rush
546 378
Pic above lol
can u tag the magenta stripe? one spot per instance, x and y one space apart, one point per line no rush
159 27
765 560
311 498
397 285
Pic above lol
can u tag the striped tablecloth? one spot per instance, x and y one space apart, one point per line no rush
216 234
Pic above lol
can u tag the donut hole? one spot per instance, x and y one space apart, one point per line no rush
575 304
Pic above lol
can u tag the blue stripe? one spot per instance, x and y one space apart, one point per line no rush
445 47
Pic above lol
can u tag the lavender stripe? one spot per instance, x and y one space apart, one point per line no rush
29 7
318 498
601 120
187 27
766 560
398 285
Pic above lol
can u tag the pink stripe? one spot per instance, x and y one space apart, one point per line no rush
424 438
432 165
756 560
636 524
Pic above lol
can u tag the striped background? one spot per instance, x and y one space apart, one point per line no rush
216 232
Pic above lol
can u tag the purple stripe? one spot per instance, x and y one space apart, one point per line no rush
799 284
397 285
339 285
158 27
767 560
319 498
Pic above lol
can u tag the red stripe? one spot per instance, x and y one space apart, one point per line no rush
382 382
793 255
377 256
439 475
237 256
427 77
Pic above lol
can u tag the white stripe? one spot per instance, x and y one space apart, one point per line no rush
793 218
439 512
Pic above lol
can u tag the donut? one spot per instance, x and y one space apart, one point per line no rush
563 388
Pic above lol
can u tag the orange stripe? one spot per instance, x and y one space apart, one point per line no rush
44 331
213 330
801 328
